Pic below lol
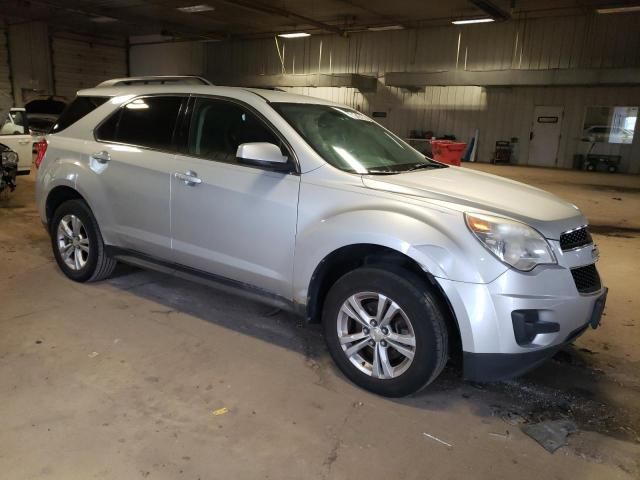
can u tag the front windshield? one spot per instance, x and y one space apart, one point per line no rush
351 141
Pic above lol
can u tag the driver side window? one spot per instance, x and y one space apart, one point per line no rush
219 127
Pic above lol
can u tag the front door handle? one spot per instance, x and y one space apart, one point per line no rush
24 142
101 157
189 178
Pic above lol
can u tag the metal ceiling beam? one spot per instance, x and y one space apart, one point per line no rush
515 78
123 20
281 12
491 9
363 83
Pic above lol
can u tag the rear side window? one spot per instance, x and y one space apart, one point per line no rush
146 122
77 109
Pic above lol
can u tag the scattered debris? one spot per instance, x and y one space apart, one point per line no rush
569 357
616 198
116 340
508 415
437 439
38 342
551 434
93 354
220 411
504 436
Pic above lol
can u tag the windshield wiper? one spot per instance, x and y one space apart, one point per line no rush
420 166
383 172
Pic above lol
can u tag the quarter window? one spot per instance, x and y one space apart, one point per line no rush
219 127
76 110
146 122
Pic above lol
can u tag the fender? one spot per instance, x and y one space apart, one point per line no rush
431 245
66 172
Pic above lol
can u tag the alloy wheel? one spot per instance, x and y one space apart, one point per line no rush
73 242
376 335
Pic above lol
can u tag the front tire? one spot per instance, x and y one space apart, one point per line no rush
386 330
77 243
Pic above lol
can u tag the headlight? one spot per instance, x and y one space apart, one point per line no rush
10 157
514 243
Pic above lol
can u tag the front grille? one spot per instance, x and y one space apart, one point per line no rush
586 278
575 238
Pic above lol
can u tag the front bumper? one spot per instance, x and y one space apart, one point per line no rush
491 348
489 367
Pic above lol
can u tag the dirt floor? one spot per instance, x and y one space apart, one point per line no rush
146 376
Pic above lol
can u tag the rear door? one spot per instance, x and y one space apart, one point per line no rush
14 133
133 154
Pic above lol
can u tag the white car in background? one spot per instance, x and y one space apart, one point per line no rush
607 134
15 134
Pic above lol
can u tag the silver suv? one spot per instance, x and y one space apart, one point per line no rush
313 207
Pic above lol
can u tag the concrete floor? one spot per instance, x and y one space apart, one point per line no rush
118 380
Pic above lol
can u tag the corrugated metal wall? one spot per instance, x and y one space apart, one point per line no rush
593 41
6 93
81 64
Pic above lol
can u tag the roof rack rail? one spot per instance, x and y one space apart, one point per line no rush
155 80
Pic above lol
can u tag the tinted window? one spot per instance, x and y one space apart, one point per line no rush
147 122
219 127
77 109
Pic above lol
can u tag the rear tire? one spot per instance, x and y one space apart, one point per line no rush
77 243
398 344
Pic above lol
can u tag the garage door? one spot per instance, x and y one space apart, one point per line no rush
78 65
6 95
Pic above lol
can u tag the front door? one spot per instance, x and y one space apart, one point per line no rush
232 220
545 136
14 133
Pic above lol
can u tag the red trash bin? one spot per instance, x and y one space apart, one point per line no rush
447 151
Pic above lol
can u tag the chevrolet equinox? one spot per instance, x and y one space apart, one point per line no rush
313 207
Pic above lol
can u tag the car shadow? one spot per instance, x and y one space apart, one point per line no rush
569 386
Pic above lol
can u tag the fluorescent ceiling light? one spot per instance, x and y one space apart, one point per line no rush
473 20
294 35
631 8
137 105
387 27
101 19
196 8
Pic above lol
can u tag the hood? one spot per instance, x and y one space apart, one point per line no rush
47 105
543 211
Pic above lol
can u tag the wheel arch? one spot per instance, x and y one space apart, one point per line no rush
57 196
347 258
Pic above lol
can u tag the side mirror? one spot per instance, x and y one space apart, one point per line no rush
263 154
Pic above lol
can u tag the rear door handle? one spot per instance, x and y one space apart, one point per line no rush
101 157
189 178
